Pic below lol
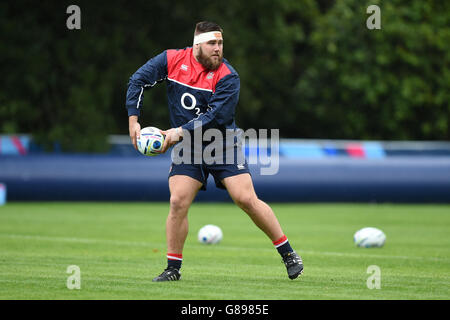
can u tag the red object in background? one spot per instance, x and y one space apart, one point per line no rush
355 150
18 144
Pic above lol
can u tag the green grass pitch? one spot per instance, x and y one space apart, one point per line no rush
120 247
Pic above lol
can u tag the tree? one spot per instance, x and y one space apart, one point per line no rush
379 84
310 68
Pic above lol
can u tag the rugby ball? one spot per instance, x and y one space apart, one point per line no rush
210 234
369 238
150 141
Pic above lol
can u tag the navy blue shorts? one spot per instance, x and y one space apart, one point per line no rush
201 172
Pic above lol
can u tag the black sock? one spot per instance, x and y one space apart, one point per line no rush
174 260
282 245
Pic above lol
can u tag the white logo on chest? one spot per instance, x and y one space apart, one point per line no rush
193 101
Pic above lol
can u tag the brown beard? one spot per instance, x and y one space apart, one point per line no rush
208 63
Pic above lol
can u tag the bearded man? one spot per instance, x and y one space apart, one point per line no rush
203 92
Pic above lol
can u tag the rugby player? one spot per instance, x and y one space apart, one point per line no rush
202 87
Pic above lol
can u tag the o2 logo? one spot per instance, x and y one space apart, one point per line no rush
193 101
192 104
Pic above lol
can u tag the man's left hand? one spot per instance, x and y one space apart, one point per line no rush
172 136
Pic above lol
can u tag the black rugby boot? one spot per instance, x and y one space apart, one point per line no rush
169 274
293 263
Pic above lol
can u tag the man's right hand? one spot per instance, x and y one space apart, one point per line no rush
135 130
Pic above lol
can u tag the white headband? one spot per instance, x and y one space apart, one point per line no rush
207 36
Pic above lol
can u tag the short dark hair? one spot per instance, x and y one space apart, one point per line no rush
206 26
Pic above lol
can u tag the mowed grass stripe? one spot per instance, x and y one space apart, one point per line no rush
111 242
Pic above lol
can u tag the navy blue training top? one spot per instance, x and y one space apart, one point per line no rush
194 92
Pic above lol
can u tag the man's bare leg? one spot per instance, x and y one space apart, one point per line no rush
240 187
183 190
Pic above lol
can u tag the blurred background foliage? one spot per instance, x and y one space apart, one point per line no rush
310 68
